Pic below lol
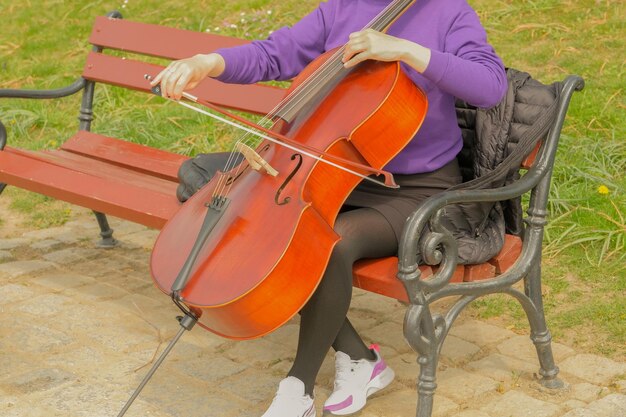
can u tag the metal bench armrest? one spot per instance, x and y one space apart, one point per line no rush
440 247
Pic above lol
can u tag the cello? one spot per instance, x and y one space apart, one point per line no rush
244 254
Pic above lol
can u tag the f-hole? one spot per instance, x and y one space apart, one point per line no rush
282 187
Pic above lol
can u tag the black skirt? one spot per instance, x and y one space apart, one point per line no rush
397 204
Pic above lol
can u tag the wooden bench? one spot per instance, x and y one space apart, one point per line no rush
137 183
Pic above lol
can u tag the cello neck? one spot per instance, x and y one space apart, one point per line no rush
389 15
324 79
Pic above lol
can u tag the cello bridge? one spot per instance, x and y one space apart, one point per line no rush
255 160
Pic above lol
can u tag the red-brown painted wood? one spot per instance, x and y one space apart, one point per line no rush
107 195
380 276
510 252
133 156
129 73
530 159
479 272
155 40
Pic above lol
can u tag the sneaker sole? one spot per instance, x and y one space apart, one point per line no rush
380 382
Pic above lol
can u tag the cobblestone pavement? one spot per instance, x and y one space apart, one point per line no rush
80 326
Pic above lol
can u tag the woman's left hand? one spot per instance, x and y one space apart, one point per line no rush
370 44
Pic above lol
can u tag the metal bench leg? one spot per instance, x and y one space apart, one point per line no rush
427 384
539 332
108 241
425 334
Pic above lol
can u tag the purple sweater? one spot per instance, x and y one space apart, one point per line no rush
462 65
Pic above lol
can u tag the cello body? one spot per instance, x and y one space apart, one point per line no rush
268 252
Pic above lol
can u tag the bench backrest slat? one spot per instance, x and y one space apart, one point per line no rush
154 40
128 73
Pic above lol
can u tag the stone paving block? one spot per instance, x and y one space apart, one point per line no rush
182 397
362 320
586 392
593 368
503 368
389 335
581 412
13 243
71 255
45 305
522 347
83 399
46 244
209 369
12 293
458 350
286 334
252 385
463 386
574 404
613 405
620 385
26 409
379 305
403 403
518 404
257 352
60 233
89 224
127 337
37 381
5 256
406 368
97 292
144 239
36 339
60 281
480 333
14 364
20 268
472 413
123 227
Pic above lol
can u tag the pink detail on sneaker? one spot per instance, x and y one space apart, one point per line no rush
378 369
339 406
375 347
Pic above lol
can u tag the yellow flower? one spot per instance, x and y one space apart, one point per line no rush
603 189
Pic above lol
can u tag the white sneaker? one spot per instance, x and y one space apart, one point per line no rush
355 381
291 401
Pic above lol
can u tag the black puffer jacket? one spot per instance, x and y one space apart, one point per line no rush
496 141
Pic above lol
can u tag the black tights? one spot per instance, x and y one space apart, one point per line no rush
365 234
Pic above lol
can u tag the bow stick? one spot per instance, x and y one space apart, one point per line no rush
281 140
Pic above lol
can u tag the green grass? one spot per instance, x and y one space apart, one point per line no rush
43 45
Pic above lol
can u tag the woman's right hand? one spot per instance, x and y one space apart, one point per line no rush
187 73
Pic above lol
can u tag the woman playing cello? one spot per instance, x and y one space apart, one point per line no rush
443 48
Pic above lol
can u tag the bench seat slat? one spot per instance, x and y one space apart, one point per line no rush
129 155
128 73
379 275
155 40
108 195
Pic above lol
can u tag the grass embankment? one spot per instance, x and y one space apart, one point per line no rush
43 45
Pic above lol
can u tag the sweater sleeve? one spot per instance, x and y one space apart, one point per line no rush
468 67
283 54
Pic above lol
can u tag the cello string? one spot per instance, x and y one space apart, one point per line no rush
302 92
286 145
